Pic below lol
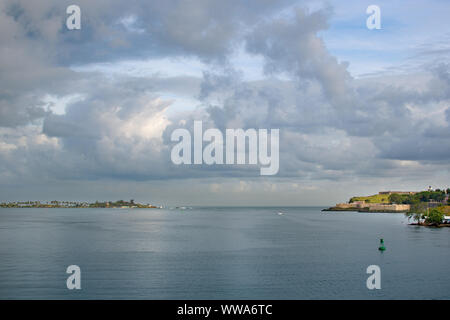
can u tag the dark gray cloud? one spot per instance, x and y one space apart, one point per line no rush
294 47
116 29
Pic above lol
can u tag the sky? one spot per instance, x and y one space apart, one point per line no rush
88 114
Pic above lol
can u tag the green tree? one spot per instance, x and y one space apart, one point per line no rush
434 216
396 198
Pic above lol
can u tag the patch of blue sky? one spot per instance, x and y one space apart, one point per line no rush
58 104
405 27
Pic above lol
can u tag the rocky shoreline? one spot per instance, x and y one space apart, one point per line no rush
434 225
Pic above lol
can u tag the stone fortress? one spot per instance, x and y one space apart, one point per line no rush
377 207
363 206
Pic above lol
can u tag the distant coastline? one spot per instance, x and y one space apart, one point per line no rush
119 204
395 201
428 208
381 202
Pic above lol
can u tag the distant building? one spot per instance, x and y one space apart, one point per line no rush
374 206
346 205
397 192
389 207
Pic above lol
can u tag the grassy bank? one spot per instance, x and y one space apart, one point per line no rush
376 198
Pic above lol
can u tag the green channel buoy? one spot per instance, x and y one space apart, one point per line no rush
381 247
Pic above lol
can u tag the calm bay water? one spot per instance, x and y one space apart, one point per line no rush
219 253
